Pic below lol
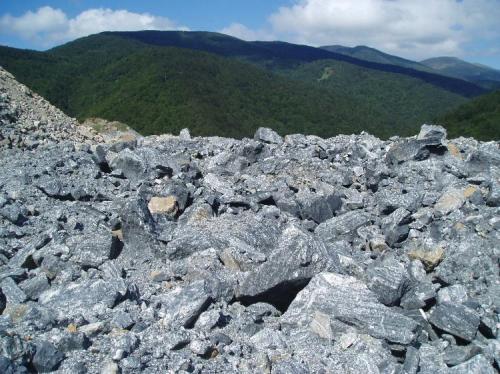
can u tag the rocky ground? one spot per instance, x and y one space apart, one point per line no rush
276 255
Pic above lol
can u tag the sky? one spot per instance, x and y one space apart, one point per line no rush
413 29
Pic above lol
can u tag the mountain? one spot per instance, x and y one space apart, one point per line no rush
479 118
215 84
374 55
454 67
478 74
285 55
164 89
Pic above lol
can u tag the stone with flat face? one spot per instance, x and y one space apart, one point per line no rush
162 205
349 303
456 319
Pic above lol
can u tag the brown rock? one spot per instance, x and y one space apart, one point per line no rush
117 234
451 200
454 151
163 205
430 259
469 191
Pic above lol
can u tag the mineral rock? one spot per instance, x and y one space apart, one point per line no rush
158 254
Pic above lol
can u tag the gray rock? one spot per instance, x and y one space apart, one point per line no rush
437 134
130 164
455 294
429 140
388 280
418 296
3 301
47 358
395 226
12 292
346 302
456 319
122 320
477 365
13 213
455 355
75 298
183 305
92 250
267 135
318 208
200 347
35 286
184 134
344 224
298 257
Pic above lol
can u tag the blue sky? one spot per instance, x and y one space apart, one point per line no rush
413 29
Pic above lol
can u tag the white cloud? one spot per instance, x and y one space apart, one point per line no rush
415 29
240 31
44 20
49 26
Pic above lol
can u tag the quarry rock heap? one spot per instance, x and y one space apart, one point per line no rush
294 254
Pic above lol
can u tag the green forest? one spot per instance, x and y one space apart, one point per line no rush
218 85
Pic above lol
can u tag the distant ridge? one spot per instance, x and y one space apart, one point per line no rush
374 55
230 46
455 67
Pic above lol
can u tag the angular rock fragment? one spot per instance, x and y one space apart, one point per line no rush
344 224
92 250
430 258
162 205
456 319
298 257
477 365
395 226
35 286
451 200
73 299
318 208
12 292
348 303
182 306
429 140
388 280
47 358
267 135
130 164
3 301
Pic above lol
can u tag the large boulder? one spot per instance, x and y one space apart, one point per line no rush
338 302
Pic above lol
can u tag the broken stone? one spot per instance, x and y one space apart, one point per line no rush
348 303
455 319
182 306
430 258
163 205
451 200
267 135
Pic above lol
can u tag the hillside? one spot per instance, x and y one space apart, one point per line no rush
163 89
398 98
457 68
158 82
479 118
284 55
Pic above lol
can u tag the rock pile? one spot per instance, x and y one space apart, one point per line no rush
299 254
28 121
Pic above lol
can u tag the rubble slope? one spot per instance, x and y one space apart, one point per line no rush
265 255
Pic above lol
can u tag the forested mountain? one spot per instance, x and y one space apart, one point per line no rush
215 84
